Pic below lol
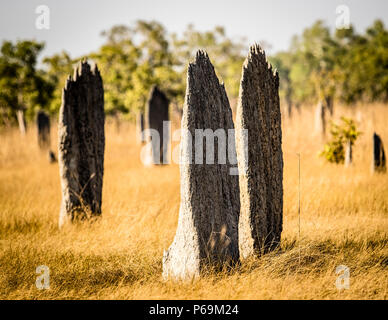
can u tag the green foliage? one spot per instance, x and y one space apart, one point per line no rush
226 54
22 85
320 65
334 150
133 59
344 66
58 68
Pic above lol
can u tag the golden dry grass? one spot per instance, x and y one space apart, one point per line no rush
344 220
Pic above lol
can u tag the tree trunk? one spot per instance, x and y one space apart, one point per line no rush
140 127
329 104
21 122
348 154
320 118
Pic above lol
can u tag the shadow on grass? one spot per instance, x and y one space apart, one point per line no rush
86 274
20 227
72 271
312 257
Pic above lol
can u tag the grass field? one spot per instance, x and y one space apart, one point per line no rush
344 221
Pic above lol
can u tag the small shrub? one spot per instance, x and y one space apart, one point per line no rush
334 150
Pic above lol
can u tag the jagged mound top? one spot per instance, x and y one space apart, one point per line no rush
204 90
156 92
256 58
201 62
201 58
83 68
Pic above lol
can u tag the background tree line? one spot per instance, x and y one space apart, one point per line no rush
320 65
342 66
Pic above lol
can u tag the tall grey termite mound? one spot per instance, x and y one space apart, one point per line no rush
207 233
81 144
379 161
43 126
260 157
156 114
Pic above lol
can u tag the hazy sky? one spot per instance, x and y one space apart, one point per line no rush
75 25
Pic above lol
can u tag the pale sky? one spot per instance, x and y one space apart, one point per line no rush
75 25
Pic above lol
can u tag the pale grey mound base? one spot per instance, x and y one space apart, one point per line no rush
81 144
260 157
207 233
